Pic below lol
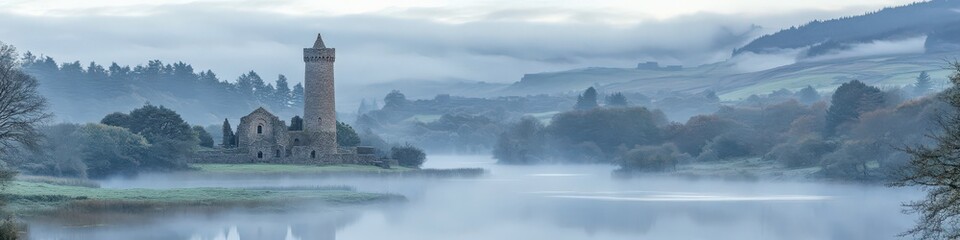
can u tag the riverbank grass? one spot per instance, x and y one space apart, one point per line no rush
33 197
262 169
292 168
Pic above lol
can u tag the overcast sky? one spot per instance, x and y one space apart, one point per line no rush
385 40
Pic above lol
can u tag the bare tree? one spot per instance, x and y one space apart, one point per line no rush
21 106
936 169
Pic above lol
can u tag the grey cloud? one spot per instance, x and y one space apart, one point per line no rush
377 48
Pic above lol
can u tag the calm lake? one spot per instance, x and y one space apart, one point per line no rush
518 202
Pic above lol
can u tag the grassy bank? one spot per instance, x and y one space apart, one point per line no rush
334 170
291 168
36 197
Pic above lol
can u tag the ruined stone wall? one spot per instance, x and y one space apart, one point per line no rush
301 155
261 135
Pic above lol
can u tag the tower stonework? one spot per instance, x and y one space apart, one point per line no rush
319 108
262 137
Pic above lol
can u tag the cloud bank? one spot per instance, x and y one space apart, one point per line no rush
497 45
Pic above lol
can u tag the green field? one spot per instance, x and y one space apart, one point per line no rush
32 197
291 168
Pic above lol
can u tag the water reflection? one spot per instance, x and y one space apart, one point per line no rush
522 202
237 224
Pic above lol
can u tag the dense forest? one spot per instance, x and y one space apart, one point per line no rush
84 93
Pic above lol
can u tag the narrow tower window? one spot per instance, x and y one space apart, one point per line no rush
259 129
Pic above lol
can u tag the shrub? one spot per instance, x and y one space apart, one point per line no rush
170 137
852 160
729 146
107 150
408 155
522 143
608 129
346 136
691 137
11 230
652 158
206 140
802 152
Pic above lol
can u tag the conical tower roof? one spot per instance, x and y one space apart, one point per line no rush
319 43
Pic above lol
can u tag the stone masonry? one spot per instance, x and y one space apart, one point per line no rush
264 138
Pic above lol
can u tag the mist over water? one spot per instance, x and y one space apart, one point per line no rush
518 202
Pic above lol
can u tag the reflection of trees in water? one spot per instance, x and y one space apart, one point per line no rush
243 225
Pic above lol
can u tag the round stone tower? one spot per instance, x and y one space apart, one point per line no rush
319 106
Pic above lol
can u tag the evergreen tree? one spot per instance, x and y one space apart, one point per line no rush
261 90
297 95
96 72
183 72
587 100
617 100
244 85
923 84
267 95
227 134
849 101
209 77
282 94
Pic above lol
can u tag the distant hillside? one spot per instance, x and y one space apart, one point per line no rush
934 24
936 19
824 75
424 89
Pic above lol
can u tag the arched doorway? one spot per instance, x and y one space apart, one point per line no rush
313 154
259 154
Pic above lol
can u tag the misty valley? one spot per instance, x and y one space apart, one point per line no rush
528 202
475 120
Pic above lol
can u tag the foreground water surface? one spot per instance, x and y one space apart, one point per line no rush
517 202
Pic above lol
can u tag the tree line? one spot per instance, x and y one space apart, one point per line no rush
849 138
161 82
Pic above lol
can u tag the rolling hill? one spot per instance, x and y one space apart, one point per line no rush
937 18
